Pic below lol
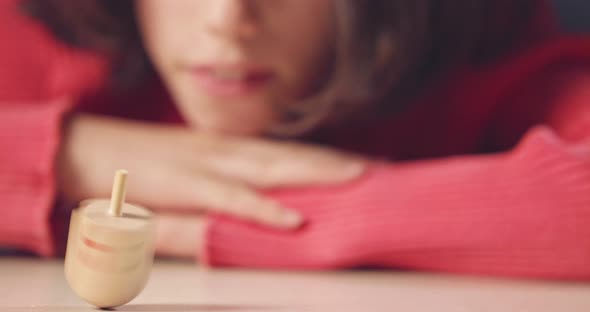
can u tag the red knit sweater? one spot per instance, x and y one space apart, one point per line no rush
488 173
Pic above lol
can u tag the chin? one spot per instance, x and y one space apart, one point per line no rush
233 129
252 123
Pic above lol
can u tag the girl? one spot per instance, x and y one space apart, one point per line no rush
432 135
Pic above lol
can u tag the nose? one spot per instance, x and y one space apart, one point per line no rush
235 19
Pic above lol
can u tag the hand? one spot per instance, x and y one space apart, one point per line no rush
174 170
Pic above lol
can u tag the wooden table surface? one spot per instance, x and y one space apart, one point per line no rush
28 284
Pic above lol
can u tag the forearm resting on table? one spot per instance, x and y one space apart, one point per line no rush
522 213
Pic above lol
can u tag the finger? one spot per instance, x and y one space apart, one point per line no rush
198 191
179 236
268 164
238 200
300 165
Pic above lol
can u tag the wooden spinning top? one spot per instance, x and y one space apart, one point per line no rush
110 248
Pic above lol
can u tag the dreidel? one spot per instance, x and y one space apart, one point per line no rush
110 248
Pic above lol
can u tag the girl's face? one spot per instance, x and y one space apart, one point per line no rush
229 63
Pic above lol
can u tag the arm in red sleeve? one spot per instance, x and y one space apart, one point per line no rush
29 138
35 70
525 212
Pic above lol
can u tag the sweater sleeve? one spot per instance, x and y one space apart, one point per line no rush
524 212
38 78
29 137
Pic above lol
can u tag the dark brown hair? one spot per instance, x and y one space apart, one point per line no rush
387 49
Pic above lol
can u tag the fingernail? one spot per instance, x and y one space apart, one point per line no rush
291 218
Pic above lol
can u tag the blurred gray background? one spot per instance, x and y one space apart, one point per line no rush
574 14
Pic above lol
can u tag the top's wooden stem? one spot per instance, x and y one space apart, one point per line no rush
118 193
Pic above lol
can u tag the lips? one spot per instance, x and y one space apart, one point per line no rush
231 80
